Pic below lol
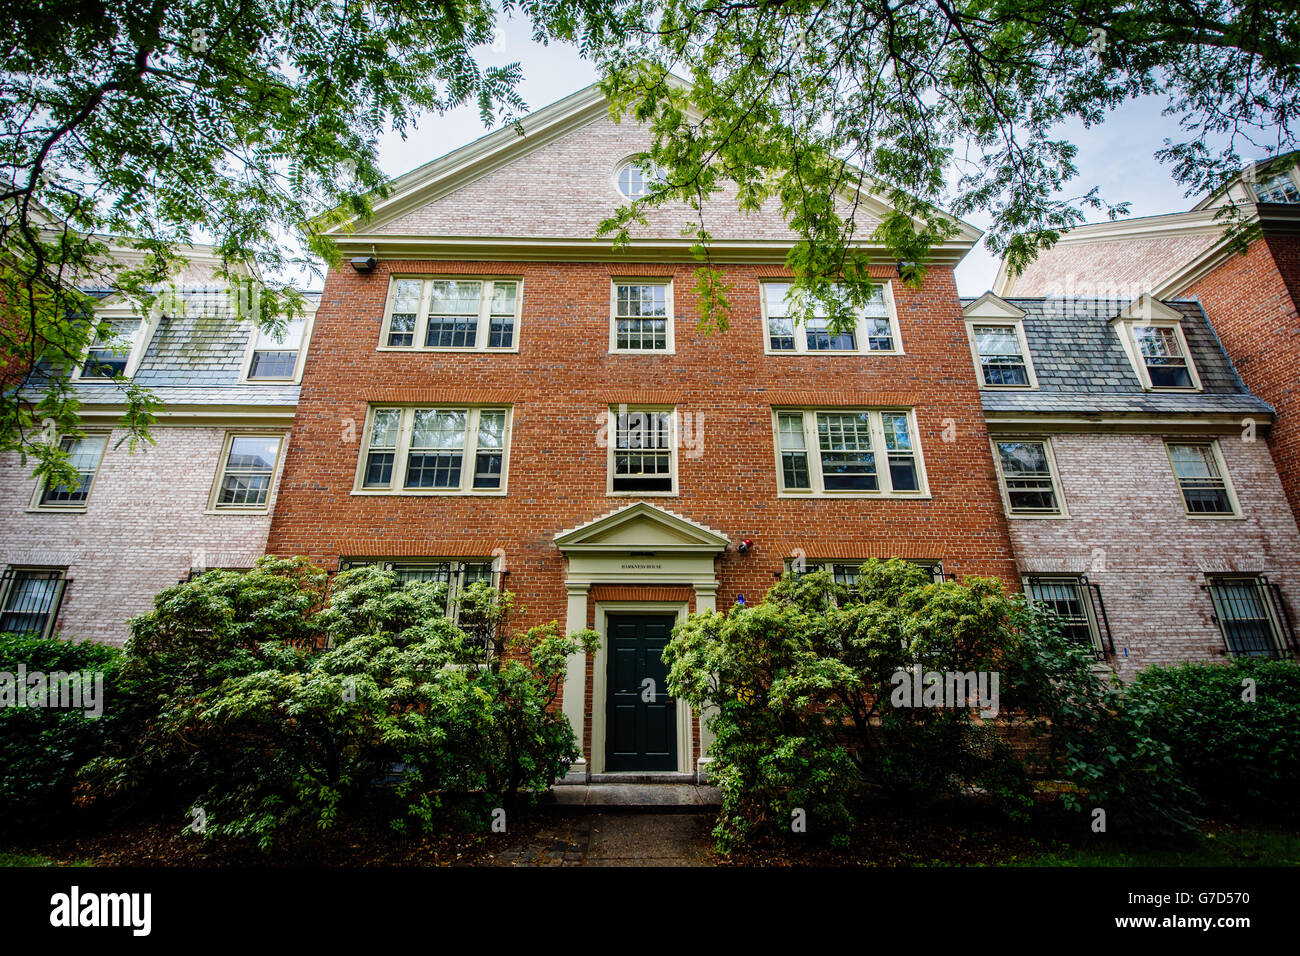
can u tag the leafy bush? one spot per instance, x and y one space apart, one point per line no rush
1239 751
372 695
802 694
42 748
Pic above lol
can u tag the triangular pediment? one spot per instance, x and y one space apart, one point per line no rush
1147 308
990 306
641 527
524 196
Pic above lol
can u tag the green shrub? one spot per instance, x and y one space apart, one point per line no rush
374 696
42 748
1241 755
801 695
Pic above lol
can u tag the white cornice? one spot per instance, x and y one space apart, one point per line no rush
209 416
1009 422
566 249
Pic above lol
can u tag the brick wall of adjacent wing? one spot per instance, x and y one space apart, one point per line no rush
1127 531
143 529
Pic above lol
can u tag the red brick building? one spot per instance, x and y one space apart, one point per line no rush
498 392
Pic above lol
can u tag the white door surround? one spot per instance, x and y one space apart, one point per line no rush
639 544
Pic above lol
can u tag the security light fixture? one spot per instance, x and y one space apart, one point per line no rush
364 264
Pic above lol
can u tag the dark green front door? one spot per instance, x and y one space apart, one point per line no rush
640 717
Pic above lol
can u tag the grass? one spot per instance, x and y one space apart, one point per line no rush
1216 845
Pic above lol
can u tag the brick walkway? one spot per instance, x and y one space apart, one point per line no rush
615 839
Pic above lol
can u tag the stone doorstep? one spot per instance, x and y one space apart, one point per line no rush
630 797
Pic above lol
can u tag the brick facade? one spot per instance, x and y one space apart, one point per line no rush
1127 531
1252 300
143 529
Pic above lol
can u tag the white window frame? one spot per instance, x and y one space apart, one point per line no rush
813 449
1018 329
1063 510
309 320
1083 588
859 328
670 344
933 565
1139 362
611 448
216 509
655 172
1290 172
1222 465
139 341
401 453
421 333
80 507
61 584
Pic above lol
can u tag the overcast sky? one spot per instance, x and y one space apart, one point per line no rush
1117 156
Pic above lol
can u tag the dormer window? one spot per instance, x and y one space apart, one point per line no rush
1162 354
1152 335
110 353
1280 188
275 356
996 330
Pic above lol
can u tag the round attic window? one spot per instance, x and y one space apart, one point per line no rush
633 181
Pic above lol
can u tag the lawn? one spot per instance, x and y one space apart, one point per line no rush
1217 845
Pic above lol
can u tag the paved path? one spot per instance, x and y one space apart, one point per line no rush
615 839
633 797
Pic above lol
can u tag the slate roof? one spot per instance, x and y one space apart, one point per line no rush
1081 365
195 357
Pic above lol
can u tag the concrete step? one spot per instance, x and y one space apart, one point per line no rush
632 798
660 776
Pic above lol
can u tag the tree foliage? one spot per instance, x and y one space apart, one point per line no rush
815 106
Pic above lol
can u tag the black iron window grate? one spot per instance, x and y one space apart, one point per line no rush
1251 616
1078 604
31 600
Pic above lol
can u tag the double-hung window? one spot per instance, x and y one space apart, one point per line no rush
1279 188
874 329
247 471
1001 355
1076 604
453 315
1250 615
642 450
30 599
274 356
1202 478
641 316
85 455
847 451
1163 356
110 352
435 450
1028 476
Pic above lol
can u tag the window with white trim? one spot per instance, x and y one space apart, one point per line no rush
110 351
1279 188
1029 483
85 454
274 357
634 181
874 331
1001 355
848 451
452 315
247 471
1164 356
30 599
642 450
1250 614
1070 596
435 450
845 572
641 317
454 575
1202 478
